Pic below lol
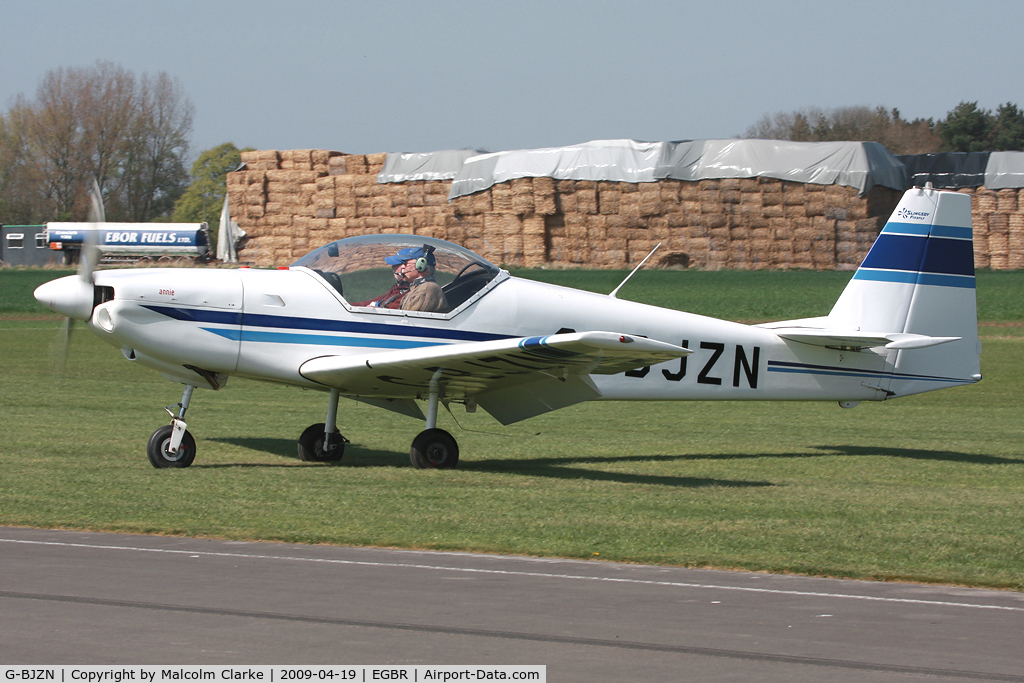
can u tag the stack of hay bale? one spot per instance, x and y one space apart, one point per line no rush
290 202
998 218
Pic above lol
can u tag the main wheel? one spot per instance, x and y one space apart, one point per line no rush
434 449
311 445
160 441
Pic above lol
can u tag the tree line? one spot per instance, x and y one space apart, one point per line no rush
129 133
966 128
132 135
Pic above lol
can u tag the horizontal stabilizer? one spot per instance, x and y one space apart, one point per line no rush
858 340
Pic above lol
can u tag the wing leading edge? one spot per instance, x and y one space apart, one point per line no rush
512 379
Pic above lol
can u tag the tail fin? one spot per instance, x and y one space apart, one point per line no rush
917 284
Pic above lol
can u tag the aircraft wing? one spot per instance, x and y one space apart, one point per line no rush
512 378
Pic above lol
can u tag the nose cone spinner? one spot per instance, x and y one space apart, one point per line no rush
70 296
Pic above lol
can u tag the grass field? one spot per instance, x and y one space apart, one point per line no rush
926 488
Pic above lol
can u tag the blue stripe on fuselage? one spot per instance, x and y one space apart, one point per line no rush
316 339
829 370
297 327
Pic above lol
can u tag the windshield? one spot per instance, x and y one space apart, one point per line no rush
355 266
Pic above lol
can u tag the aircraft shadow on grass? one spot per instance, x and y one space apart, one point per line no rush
558 468
920 454
567 468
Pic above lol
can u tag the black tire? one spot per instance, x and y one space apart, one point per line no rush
158 454
434 449
311 445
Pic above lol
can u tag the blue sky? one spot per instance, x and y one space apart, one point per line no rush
364 77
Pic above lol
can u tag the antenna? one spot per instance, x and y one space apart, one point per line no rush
641 265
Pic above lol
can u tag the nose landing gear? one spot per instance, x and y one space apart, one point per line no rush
172 445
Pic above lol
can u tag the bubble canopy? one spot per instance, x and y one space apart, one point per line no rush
355 266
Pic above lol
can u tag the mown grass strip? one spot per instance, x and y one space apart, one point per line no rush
925 488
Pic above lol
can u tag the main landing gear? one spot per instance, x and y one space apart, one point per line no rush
323 442
172 445
433 448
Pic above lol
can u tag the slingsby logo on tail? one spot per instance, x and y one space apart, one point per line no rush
404 322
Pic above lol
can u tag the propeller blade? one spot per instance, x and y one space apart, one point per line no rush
59 351
90 255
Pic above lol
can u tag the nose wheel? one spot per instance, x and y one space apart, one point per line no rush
172 445
159 451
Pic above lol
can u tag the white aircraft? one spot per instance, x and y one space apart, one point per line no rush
905 324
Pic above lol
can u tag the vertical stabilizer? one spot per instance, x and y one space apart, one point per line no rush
918 279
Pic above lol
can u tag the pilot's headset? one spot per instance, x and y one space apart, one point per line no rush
422 264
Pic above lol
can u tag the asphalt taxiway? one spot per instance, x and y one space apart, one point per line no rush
89 598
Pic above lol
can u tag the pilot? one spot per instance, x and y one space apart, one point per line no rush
417 265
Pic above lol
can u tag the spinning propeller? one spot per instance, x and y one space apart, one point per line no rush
74 296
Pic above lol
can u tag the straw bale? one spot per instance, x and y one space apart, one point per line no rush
1015 249
522 201
325 185
586 199
999 248
501 198
815 205
1016 223
257 198
460 204
711 198
299 155
544 203
338 165
481 203
437 200
689 191
839 191
998 223
364 186
380 206
793 210
985 202
650 205
608 199
355 164
544 185
323 201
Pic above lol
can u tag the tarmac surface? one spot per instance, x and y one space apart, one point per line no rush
89 598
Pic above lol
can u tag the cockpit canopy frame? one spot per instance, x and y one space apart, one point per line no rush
355 268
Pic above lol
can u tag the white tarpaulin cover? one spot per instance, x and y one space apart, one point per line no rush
443 165
228 235
855 164
1005 170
